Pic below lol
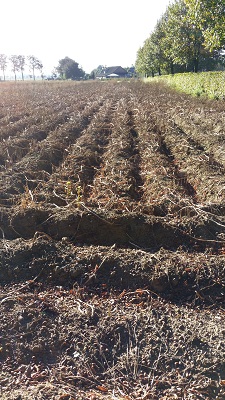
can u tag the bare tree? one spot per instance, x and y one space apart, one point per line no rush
21 64
15 64
34 64
3 64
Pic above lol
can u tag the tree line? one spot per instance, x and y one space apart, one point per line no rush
188 37
18 63
66 69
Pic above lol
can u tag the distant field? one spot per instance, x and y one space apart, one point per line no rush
206 84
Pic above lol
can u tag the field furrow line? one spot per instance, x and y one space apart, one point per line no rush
205 125
119 170
165 187
83 157
49 152
116 183
43 157
203 174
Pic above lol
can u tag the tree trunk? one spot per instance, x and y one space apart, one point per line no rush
195 65
172 68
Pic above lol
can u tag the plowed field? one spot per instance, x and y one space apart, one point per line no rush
112 250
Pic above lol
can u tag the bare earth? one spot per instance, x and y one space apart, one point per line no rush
112 249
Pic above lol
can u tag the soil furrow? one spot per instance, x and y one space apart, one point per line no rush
45 156
165 186
205 179
112 243
116 184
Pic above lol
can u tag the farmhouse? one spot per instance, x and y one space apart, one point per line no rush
112 72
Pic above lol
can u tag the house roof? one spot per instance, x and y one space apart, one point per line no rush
115 70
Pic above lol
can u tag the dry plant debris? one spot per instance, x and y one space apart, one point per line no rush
112 250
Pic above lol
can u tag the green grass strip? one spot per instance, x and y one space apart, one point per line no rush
202 84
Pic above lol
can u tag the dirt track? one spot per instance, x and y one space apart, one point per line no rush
112 199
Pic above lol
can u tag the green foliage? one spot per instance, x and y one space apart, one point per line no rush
207 84
151 57
145 64
69 69
183 38
209 15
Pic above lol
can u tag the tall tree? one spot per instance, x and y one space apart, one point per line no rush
3 64
209 15
184 39
147 62
158 41
21 64
69 69
35 64
140 64
178 40
15 64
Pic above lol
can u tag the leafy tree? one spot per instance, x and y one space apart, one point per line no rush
175 45
147 62
209 15
184 39
97 71
15 64
158 41
92 75
3 64
140 64
69 69
156 53
167 38
35 64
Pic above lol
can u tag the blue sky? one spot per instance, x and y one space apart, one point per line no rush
90 32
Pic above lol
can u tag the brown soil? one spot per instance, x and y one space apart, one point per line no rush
112 250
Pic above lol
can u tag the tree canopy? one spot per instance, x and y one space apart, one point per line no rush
69 69
184 38
209 15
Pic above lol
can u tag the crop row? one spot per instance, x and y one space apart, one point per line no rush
120 150
190 150
117 151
